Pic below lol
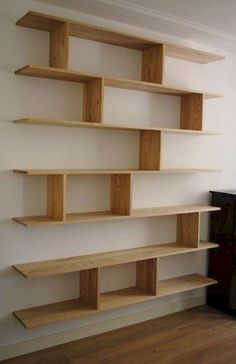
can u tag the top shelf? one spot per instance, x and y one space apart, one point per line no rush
77 29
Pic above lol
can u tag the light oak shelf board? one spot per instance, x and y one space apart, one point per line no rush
81 30
33 221
37 172
75 76
74 264
73 309
82 124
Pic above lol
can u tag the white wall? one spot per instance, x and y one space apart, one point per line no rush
47 147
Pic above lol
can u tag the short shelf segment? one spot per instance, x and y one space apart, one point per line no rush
74 264
73 309
83 124
32 221
74 76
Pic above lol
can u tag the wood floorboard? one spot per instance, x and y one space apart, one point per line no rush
198 336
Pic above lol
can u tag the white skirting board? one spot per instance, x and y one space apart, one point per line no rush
44 342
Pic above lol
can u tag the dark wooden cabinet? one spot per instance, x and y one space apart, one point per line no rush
222 261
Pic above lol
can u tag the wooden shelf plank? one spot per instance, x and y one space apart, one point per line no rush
33 221
73 264
99 34
82 124
37 172
73 309
75 76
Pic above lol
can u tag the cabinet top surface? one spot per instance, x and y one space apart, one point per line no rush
225 192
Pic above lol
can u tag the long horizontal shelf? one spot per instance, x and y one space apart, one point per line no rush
110 171
72 218
73 264
75 76
81 30
82 124
72 309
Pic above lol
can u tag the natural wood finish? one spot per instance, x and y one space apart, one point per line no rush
146 275
89 287
81 30
37 172
188 229
59 46
93 96
74 264
74 76
153 64
82 124
72 218
56 195
150 150
73 309
191 112
121 194
178 338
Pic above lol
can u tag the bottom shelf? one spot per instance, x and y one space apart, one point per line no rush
72 309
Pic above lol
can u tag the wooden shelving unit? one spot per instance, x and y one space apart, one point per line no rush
148 285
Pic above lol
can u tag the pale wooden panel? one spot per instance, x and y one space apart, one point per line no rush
188 229
82 124
191 112
121 194
150 150
59 46
56 196
89 286
74 264
146 275
73 309
37 172
93 100
74 76
153 64
80 217
81 30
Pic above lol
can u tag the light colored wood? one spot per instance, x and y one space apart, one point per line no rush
146 275
82 124
37 172
150 150
74 76
81 30
56 196
188 229
73 309
59 46
72 218
153 64
191 112
50 267
93 97
121 194
89 287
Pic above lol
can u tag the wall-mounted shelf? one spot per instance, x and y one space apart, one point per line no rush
82 124
74 264
76 308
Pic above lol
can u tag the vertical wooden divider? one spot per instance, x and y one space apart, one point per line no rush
150 150
191 112
59 45
146 275
89 286
121 194
93 99
153 64
56 195
188 229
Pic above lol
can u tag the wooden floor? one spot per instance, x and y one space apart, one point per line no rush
196 336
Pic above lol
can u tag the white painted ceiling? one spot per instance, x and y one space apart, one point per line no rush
211 22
